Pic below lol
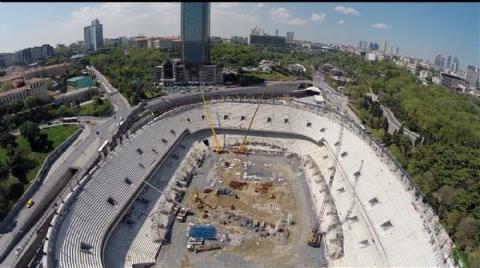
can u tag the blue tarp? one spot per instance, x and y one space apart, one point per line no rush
203 232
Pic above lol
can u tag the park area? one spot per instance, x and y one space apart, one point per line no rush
25 163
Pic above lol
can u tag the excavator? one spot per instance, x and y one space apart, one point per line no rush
314 238
242 149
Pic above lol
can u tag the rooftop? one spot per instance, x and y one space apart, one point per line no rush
76 78
20 89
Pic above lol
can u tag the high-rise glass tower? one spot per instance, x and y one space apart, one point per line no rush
93 36
195 31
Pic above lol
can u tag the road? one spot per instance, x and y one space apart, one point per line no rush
393 123
81 153
337 99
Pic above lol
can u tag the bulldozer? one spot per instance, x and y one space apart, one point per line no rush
314 238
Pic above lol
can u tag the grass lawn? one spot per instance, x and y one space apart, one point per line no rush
56 134
94 109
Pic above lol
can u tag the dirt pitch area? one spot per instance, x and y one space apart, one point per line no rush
261 207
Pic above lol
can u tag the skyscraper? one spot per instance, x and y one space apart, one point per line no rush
391 51
439 60
93 36
449 61
455 65
195 31
289 36
276 32
398 50
385 47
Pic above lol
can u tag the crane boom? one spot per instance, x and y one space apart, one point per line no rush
242 149
218 148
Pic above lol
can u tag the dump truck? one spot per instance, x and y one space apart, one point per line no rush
314 238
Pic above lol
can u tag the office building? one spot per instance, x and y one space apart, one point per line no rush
391 51
93 36
276 32
195 68
449 61
384 47
32 54
290 36
398 51
267 40
374 46
195 32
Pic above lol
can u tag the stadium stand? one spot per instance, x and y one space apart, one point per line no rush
395 229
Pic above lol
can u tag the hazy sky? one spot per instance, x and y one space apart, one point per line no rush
420 29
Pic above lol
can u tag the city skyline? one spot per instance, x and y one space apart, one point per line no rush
415 27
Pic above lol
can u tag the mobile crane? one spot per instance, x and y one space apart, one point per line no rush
242 149
218 148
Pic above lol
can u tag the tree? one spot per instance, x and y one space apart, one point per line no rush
385 124
4 170
6 138
467 231
32 101
21 164
29 130
4 86
15 106
38 141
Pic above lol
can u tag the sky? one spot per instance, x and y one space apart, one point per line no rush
421 30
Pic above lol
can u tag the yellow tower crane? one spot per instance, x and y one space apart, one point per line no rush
242 149
218 148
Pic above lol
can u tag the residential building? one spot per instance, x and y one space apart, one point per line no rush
296 68
424 74
93 36
370 56
436 80
140 41
80 81
34 87
195 32
267 40
290 36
